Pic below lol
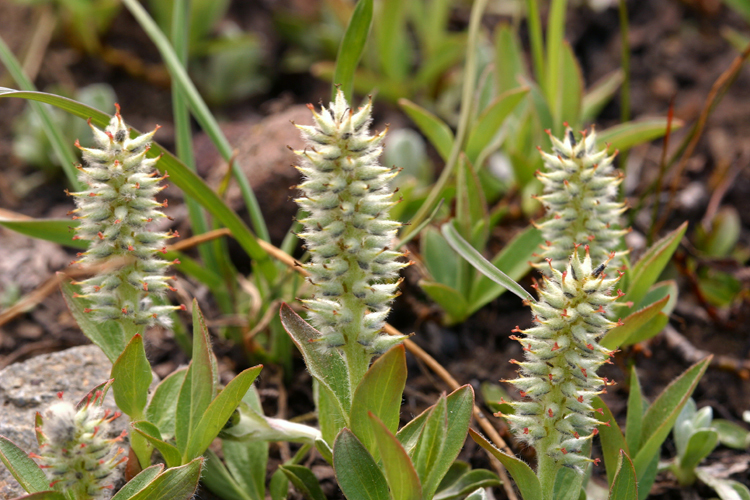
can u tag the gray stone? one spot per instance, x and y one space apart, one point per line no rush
31 386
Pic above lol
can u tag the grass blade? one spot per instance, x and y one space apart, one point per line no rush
63 151
468 252
351 48
182 132
200 111
467 97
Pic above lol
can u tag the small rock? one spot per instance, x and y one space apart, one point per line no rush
31 386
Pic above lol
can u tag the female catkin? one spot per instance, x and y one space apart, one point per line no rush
347 231
114 213
76 450
580 195
558 377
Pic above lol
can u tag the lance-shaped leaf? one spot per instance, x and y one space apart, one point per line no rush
526 480
328 368
132 378
661 415
139 482
490 121
436 130
379 392
651 264
161 409
200 384
632 324
28 474
625 484
153 436
357 473
351 48
218 412
399 471
626 135
304 480
611 436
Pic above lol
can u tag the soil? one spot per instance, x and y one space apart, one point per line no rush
678 53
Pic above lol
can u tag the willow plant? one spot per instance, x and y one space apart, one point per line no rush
347 231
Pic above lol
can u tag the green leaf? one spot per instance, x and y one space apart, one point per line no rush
279 486
459 401
567 484
399 471
514 260
441 261
351 48
730 434
649 330
356 471
647 479
132 374
472 215
55 230
634 418
248 460
600 94
179 175
483 265
392 46
218 412
28 474
509 61
108 335
626 135
649 267
177 483
492 394
151 433
436 130
139 482
555 35
526 480
460 405
379 393
658 291
450 300
661 415
331 416
468 482
199 387
328 368
161 409
201 112
701 443
620 335
611 436
304 480
625 484
489 122
431 440
216 477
